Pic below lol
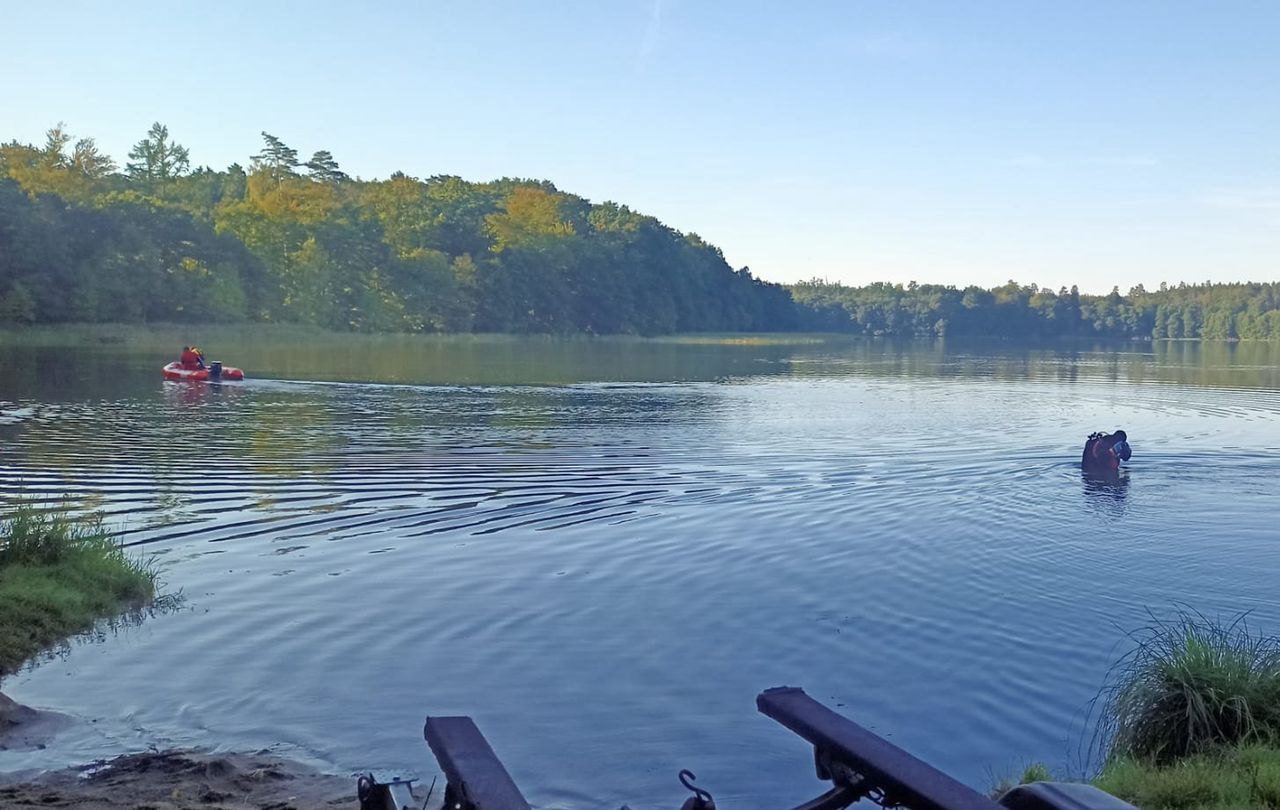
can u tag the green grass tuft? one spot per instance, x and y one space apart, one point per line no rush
1223 779
1035 772
1192 685
58 575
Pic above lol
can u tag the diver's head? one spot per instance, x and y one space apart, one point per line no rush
1120 444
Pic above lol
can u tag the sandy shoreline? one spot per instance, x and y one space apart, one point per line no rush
173 780
162 780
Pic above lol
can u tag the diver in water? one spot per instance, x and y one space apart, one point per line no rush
1105 451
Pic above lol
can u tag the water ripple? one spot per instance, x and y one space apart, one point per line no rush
624 566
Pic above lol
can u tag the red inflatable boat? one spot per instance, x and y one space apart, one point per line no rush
214 372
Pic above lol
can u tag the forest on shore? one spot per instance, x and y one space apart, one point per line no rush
84 240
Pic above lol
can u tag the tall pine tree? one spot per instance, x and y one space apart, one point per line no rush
324 168
275 158
155 157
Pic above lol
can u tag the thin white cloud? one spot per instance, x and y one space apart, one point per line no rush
1033 159
1028 160
1135 161
649 41
954 228
888 45
1266 198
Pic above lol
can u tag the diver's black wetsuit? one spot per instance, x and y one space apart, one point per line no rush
1100 454
1086 458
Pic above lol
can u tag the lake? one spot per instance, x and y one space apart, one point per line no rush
604 549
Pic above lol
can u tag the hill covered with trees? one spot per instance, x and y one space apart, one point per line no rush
293 241
301 242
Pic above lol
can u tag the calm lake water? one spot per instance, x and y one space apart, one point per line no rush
602 550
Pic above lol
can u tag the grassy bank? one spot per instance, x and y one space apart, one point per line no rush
1192 685
1227 778
1191 718
1224 779
58 575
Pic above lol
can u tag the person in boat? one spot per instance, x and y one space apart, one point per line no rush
192 358
1105 451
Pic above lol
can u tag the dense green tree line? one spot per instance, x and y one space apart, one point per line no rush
302 242
1210 311
287 240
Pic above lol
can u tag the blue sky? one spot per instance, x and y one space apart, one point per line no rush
1098 143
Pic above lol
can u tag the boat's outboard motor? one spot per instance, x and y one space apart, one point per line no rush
215 370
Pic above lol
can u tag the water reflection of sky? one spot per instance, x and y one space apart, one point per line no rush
620 566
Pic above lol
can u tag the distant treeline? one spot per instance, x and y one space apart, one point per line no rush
302 242
1210 311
